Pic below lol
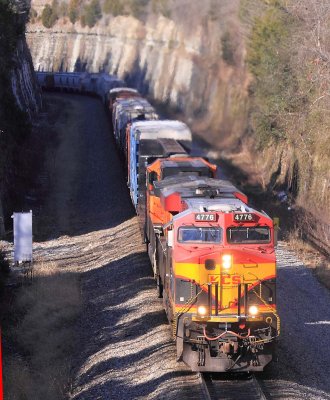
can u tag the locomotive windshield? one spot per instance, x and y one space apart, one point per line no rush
256 234
194 234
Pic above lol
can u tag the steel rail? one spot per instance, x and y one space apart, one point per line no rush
258 388
205 390
248 389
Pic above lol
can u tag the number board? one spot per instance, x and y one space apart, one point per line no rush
207 217
245 217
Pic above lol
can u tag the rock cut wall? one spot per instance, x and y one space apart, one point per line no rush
178 62
23 81
20 99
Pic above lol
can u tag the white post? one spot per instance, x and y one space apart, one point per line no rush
22 237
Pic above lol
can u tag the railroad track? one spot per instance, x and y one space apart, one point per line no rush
231 387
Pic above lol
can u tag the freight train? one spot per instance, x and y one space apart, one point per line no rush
212 254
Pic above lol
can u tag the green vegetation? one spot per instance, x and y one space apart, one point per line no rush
92 13
161 7
73 10
138 7
89 12
48 16
51 13
114 7
33 15
289 102
275 84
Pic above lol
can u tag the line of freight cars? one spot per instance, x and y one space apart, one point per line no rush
212 254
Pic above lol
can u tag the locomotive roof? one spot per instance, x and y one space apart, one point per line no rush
221 204
165 129
193 186
122 89
171 146
183 162
134 103
160 148
225 205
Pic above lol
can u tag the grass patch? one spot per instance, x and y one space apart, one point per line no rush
41 336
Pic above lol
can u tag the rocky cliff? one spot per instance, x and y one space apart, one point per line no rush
24 85
191 63
23 82
19 97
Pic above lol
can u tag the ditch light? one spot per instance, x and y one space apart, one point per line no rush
202 311
253 310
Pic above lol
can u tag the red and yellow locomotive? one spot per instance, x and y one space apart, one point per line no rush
215 265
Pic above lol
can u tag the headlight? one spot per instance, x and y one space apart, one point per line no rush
253 310
226 261
202 311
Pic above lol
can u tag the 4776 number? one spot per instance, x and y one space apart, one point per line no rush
244 217
206 217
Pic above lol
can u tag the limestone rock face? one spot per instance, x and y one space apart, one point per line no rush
191 63
18 78
23 80
24 85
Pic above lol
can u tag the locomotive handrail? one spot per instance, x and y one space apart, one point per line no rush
184 309
273 311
